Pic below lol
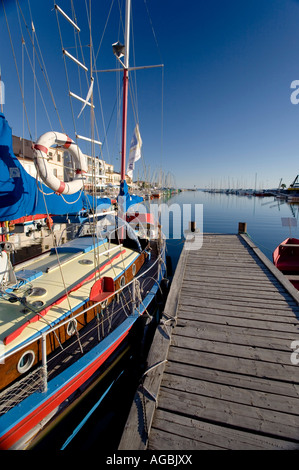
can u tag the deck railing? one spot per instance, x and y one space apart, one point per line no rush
38 378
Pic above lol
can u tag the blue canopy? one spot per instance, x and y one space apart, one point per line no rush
19 194
125 200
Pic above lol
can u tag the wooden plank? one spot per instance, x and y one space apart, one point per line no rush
282 279
235 292
232 349
280 316
228 261
257 316
259 304
202 304
204 271
227 334
244 417
249 382
293 277
258 288
290 245
235 258
226 297
228 265
196 304
203 433
210 279
241 395
220 272
163 440
240 365
253 265
276 328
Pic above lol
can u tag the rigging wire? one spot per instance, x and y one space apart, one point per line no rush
162 96
40 60
92 122
35 82
17 70
66 71
104 30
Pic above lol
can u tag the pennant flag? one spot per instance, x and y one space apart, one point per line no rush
135 151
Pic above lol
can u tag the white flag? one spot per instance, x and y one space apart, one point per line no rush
135 151
87 97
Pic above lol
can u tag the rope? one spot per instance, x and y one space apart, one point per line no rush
154 367
27 305
73 202
61 273
143 389
260 245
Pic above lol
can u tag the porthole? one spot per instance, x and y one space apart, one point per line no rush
71 327
37 304
38 292
122 281
85 261
26 362
134 269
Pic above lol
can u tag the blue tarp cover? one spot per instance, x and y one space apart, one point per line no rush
19 194
125 200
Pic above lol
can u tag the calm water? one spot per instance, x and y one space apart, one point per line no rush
265 217
221 214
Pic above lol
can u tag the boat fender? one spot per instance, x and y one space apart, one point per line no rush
169 265
8 247
49 222
165 285
40 152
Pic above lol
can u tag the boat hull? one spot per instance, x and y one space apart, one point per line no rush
22 423
286 255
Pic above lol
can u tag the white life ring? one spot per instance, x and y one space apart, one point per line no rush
40 151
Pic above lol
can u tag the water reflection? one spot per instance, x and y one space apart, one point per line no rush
266 217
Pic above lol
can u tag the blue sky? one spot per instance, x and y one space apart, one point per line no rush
226 117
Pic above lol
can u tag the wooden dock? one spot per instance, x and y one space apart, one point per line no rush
223 370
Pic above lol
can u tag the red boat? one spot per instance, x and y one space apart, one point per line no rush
286 255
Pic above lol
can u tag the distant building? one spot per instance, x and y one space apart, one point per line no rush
22 148
99 174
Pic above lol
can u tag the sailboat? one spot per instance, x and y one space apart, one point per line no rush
66 312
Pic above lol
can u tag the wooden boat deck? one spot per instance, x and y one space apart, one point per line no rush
47 273
222 370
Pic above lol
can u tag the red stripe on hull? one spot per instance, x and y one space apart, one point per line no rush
28 423
28 218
